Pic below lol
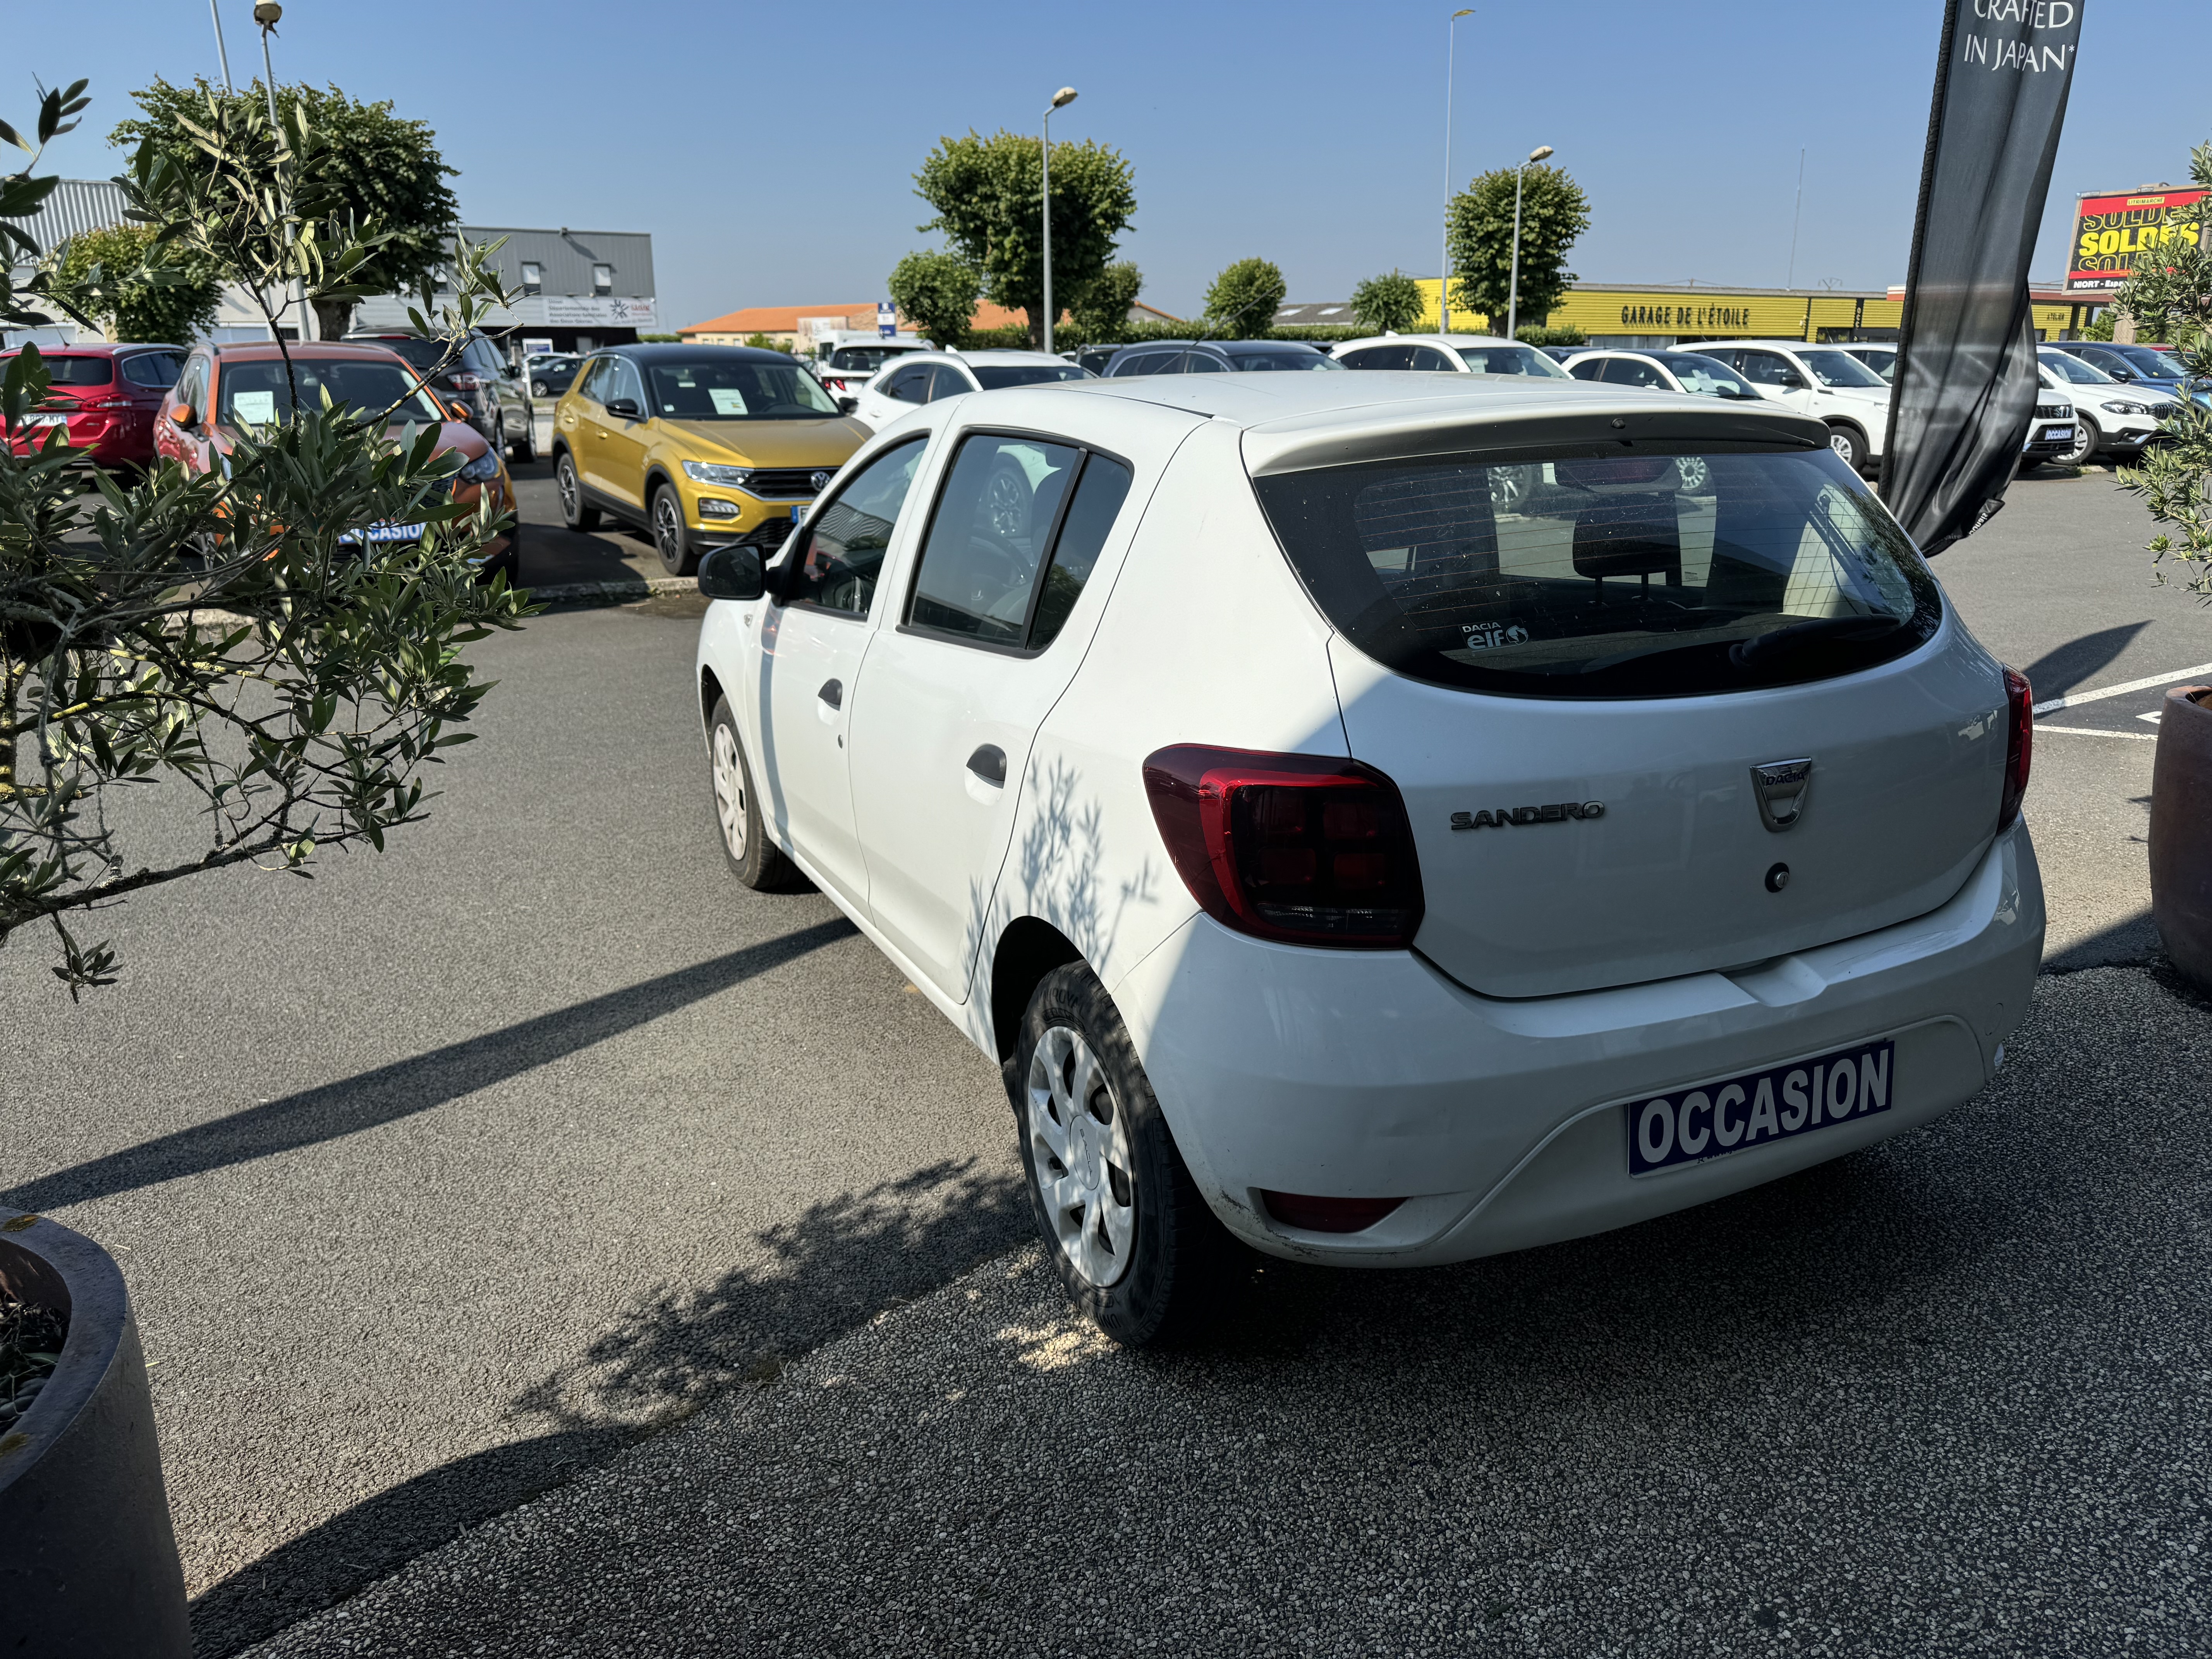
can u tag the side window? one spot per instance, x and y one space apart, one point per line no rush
153 368
946 381
1763 368
1632 371
192 388
1590 368
844 541
996 516
593 381
910 384
1397 357
1203 362
1428 357
1099 493
623 382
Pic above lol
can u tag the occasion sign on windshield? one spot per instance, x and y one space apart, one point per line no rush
2110 233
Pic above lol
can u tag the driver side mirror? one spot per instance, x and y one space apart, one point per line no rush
732 573
625 409
185 416
458 411
1792 380
2121 373
846 405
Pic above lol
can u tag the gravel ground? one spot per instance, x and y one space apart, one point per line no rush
1951 1395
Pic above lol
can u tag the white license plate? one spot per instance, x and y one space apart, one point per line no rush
1692 1126
387 532
46 420
2058 435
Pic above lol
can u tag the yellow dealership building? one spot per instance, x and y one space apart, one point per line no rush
1627 315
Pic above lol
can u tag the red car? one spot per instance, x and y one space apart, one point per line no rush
113 393
223 388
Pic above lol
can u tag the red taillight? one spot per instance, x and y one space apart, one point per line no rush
1303 848
2020 742
1327 1215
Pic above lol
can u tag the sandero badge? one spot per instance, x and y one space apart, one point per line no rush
1566 811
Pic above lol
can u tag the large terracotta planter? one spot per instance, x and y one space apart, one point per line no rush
88 1561
2181 831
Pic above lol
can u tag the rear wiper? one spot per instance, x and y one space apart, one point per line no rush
1762 648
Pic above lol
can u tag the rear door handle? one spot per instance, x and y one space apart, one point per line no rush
989 763
833 693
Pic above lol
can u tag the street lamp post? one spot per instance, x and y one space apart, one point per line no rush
1444 265
220 51
1513 280
269 14
1065 96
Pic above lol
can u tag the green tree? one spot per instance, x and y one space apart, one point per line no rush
1244 298
936 292
988 195
371 171
1389 305
110 274
1555 213
2172 301
1099 315
230 633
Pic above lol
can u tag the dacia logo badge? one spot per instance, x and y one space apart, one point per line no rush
820 480
1779 787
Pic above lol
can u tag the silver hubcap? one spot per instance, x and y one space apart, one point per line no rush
1841 443
564 481
730 791
1080 1147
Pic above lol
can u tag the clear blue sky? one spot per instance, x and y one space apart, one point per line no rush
768 146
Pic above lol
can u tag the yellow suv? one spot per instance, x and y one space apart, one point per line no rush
702 446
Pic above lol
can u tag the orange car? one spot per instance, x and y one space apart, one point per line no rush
225 387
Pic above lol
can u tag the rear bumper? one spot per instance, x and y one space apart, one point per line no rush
1504 1122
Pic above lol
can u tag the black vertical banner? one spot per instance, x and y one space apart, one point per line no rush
1964 387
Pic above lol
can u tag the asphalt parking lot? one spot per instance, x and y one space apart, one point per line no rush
537 1157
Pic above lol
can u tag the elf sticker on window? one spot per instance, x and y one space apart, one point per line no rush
253 408
728 400
1487 636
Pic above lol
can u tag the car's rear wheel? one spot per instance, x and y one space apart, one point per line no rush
2087 437
757 861
575 511
524 448
669 539
1850 445
1134 1243
540 389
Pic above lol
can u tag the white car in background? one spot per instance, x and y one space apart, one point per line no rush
927 377
2110 418
1333 862
1451 354
1822 381
1876 355
844 366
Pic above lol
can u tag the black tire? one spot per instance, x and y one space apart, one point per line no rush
1850 445
2087 438
753 858
575 511
524 448
1165 1284
670 538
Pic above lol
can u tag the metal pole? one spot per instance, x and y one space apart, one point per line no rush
221 50
298 294
1513 281
1443 262
1047 229
1790 280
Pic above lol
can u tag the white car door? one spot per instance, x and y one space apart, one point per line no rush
812 643
1776 377
954 691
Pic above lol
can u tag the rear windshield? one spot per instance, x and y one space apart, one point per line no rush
423 354
997 378
81 371
870 358
1610 576
1269 362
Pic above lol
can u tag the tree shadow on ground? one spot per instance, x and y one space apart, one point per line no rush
836 1266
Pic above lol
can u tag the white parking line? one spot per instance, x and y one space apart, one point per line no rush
2095 732
2174 678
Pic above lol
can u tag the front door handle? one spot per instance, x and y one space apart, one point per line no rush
989 763
833 693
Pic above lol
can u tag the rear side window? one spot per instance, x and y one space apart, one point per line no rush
153 368
1398 357
1608 576
1012 507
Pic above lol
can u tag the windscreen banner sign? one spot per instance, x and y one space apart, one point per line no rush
1966 374
2110 231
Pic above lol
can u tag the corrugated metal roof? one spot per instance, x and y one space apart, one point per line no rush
76 205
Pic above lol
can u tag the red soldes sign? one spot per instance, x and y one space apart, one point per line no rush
2110 231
